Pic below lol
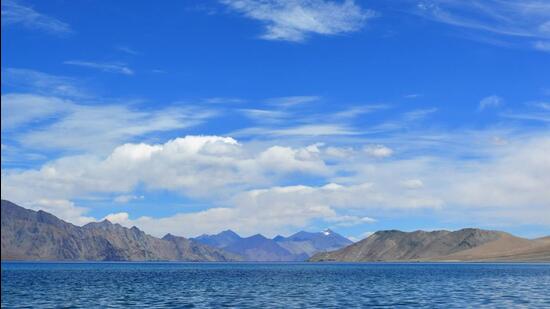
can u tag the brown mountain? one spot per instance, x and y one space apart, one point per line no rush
38 235
462 245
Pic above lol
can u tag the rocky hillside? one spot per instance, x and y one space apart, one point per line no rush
462 245
38 235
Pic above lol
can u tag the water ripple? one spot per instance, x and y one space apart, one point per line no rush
278 285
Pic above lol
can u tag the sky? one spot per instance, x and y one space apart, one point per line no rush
274 116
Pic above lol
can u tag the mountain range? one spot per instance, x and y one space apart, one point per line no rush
38 235
462 245
297 247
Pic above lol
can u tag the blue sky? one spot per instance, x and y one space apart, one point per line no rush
275 116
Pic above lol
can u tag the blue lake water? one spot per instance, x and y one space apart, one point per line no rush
277 285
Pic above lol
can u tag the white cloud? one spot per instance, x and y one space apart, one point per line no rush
299 130
286 159
63 209
412 183
42 83
378 151
127 198
128 50
292 101
339 152
501 183
95 128
20 109
525 19
490 101
112 67
265 116
347 220
198 166
120 218
13 13
295 20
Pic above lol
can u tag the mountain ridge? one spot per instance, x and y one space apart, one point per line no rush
296 247
38 235
468 244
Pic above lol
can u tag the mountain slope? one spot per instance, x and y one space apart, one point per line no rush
506 248
38 235
461 245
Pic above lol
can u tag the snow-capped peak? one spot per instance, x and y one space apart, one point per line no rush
327 232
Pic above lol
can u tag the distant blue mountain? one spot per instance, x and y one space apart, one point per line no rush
220 240
297 247
311 243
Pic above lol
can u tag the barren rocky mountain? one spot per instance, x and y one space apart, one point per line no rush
38 235
462 245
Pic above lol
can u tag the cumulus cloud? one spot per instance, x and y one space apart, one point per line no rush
120 218
194 165
505 182
294 20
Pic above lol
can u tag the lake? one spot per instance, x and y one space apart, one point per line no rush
276 285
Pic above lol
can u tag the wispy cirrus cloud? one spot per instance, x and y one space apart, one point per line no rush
26 80
292 100
295 20
491 101
15 13
110 67
53 123
127 50
527 19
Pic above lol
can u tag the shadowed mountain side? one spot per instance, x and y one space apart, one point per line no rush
38 235
462 245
